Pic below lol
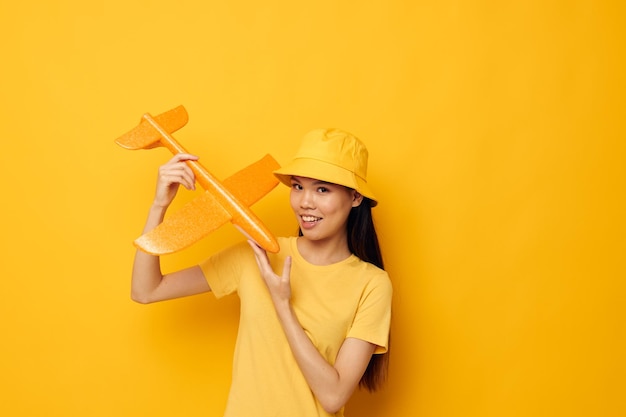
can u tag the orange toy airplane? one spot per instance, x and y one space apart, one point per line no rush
222 201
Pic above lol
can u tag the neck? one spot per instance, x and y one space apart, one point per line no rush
323 252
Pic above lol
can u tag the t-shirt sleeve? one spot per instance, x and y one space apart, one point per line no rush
223 269
373 317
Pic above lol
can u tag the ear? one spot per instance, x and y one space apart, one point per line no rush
357 198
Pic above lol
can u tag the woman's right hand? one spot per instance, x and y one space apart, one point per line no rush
148 282
172 174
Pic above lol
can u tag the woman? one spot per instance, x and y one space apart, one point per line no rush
314 317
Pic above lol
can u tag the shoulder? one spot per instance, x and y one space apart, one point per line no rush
373 272
376 280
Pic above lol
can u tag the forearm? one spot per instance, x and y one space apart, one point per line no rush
147 275
323 379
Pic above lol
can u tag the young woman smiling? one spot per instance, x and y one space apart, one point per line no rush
315 317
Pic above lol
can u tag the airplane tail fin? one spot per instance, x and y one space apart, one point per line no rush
145 136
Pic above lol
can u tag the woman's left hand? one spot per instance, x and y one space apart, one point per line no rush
279 286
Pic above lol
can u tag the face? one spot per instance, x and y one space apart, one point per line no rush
322 208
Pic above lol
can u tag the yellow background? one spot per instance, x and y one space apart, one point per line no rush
496 133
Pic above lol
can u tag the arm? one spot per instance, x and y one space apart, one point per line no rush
148 283
332 384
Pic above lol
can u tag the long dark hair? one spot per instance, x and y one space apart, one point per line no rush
363 242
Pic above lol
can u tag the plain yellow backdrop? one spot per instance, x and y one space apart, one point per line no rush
496 133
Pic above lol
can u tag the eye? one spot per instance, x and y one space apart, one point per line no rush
322 190
296 186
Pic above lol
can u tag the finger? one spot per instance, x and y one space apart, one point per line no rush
255 247
168 179
287 269
179 173
178 178
188 179
256 256
181 157
259 252
188 173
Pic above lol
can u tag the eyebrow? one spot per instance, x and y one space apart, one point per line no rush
316 182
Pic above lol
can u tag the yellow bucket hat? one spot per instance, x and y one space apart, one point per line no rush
330 155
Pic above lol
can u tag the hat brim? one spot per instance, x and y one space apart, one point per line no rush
320 170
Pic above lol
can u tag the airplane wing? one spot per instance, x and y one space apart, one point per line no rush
254 181
192 222
204 214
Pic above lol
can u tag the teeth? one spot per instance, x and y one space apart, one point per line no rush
310 218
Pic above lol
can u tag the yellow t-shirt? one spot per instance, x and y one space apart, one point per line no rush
351 298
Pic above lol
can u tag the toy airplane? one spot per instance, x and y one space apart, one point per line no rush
222 201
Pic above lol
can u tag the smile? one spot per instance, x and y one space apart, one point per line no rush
310 219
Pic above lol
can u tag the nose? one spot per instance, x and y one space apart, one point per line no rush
307 199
